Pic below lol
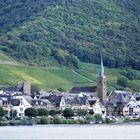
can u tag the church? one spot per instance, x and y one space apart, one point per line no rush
99 91
96 95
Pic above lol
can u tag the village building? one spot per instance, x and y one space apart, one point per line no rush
97 106
79 101
134 106
14 101
42 103
24 87
20 104
116 102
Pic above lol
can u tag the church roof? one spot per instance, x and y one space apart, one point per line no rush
101 72
89 89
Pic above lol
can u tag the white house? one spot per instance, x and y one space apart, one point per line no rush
134 106
97 106
20 104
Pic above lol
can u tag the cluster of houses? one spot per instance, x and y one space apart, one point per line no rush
117 103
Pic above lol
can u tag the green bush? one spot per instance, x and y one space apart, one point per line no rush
82 122
68 112
44 120
73 122
107 120
89 118
42 112
65 121
81 112
57 120
98 117
31 112
53 112
13 113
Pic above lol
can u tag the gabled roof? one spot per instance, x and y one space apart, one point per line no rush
120 98
89 89
54 99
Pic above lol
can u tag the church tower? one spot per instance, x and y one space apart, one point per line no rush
101 84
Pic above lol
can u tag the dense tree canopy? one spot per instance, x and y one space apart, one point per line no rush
68 112
31 112
51 32
42 112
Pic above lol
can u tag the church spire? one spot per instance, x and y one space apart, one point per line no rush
101 72
101 85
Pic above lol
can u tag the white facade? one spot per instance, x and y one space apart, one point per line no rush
62 104
98 108
134 105
21 107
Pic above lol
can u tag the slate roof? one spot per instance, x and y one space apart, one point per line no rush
89 89
120 98
11 89
54 99
15 102
40 102
77 100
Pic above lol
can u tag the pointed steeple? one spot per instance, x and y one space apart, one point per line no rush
101 72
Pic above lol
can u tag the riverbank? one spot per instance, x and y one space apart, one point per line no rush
57 120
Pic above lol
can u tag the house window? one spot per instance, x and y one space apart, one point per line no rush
62 103
21 109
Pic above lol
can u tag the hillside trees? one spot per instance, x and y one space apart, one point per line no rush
122 81
63 32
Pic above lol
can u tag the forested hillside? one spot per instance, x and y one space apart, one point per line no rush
51 32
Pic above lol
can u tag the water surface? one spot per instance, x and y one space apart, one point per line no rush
71 132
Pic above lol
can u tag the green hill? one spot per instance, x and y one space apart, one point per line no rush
64 78
52 32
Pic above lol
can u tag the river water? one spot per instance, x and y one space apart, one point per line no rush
70 132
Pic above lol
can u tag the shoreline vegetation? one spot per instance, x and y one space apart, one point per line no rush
41 116
60 120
